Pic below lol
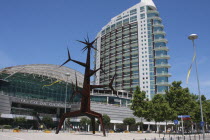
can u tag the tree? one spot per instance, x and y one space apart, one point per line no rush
85 121
180 99
106 120
140 104
129 122
161 109
141 125
20 121
48 121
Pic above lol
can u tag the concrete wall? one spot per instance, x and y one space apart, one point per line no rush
5 105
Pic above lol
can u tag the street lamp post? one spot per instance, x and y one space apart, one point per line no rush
67 76
193 37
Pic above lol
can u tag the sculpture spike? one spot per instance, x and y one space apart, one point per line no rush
69 58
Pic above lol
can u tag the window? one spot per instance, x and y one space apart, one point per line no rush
134 18
132 12
141 9
142 16
119 24
126 21
113 27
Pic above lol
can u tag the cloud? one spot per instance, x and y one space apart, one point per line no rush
5 60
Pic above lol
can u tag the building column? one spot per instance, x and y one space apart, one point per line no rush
114 126
158 128
88 128
99 127
107 100
138 128
165 129
148 128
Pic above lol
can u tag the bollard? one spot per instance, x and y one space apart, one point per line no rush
194 137
184 137
199 137
190 137
163 138
178 137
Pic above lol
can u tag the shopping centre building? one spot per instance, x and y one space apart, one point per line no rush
28 90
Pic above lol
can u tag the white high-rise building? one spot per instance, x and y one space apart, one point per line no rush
133 46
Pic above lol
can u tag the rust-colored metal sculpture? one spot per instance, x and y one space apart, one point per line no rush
85 91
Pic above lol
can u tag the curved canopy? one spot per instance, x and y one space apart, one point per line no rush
47 70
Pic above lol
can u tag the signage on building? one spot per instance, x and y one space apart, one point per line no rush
38 102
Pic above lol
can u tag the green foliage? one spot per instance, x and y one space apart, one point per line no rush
176 101
180 99
139 103
7 126
84 121
161 109
48 121
129 121
20 120
106 120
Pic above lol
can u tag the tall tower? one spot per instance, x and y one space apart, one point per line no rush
133 46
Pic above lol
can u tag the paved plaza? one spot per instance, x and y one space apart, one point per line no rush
34 135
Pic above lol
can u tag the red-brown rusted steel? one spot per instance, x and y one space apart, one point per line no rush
85 101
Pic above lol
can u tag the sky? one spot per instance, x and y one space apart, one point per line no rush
39 31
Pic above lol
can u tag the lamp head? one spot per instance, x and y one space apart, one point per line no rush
192 36
67 74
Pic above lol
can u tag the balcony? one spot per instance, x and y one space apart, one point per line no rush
162 66
163 84
134 52
126 32
156 17
163 74
113 51
118 64
152 11
119 56
126 54
161 40
162 57
126 78
134 37
126 39
134 30
119 49
161 49
158 25
135 69
127 62
161 92
126 70
159 32
118 79
135 60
